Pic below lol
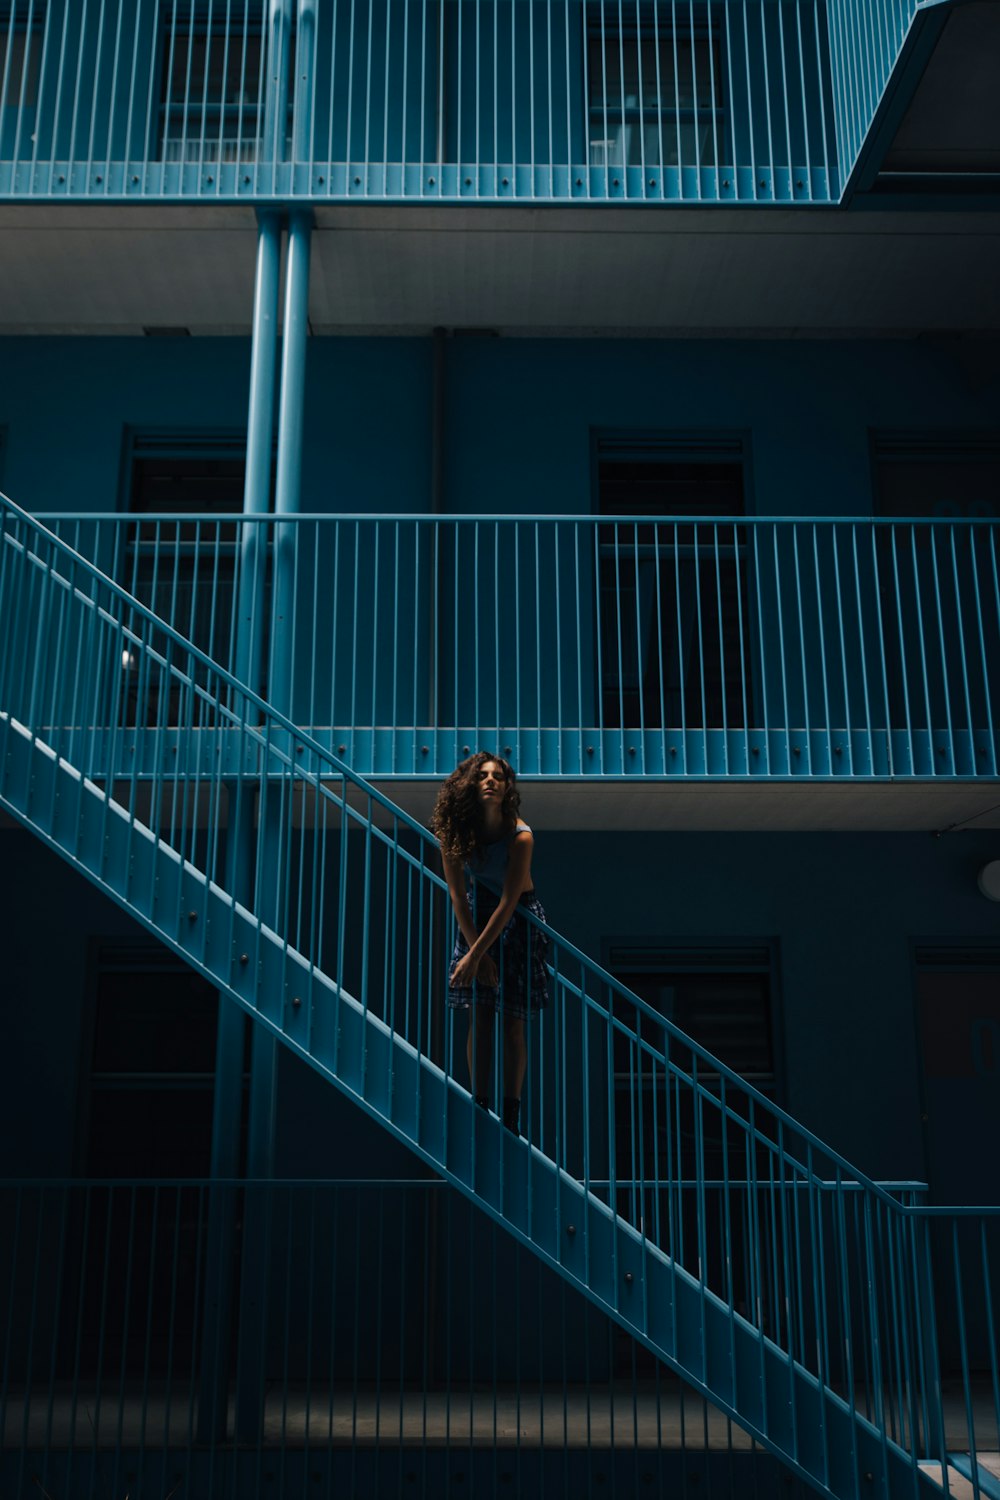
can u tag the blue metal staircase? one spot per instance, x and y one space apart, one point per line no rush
790 1290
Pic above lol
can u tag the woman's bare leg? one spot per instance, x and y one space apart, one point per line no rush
480 1030
515 1056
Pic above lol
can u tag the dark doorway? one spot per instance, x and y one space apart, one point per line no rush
674 616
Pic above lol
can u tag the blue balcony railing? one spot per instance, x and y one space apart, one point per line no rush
387 1332
830 648
740 101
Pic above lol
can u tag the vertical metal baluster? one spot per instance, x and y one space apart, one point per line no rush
821 73
151 1270
21 86
639 673
807 719
599 615
14 1241
538 646
386 94
782 657
369 53
990 1322
838 596
103 1324
560 719
395 705
983 657
784 100
41 102
807 181
963 655
74 1402
175 1266
877 605
861 643
618 650
713 95
681 662
751 133
125 1306
723 680
497 633
77 86
699 623
63 1191
658 639
963 1355
821 634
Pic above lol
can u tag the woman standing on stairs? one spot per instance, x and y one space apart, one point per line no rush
499 958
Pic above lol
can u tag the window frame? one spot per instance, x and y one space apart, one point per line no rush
185 146
139 956
616 115
693 447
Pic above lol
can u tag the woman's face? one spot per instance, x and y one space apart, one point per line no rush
491 783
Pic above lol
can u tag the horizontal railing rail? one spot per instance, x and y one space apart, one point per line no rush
394 1318
615 646
740 101
312 900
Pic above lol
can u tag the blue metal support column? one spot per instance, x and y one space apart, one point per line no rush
240 841
275 813
286 502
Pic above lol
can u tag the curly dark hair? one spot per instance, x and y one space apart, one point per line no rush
457 819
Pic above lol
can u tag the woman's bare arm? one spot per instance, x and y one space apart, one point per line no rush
455 876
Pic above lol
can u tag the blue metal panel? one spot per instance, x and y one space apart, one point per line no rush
742 101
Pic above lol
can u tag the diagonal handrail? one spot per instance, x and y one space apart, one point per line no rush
827 1282
324 756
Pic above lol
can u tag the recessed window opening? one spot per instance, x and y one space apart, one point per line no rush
213 86
20 60
184 570
654 92
674 617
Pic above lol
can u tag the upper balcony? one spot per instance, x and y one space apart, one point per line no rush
490 101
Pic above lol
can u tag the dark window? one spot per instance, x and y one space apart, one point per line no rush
151 1076
936 584
654 94
213 88
147 1094
184 570
944 475
20 57
674 640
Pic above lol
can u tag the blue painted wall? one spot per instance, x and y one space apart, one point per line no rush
519 413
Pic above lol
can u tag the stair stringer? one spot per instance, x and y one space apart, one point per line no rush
775 1399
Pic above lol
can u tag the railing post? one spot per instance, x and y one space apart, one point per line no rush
240 844
279 42
927 1340
305 82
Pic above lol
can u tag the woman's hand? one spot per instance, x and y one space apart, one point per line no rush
471 967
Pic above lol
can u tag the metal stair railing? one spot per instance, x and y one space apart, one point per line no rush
800 1309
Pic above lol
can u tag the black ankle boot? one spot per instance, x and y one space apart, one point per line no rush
512 1115
482 1101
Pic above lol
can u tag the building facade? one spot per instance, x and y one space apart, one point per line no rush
612 387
